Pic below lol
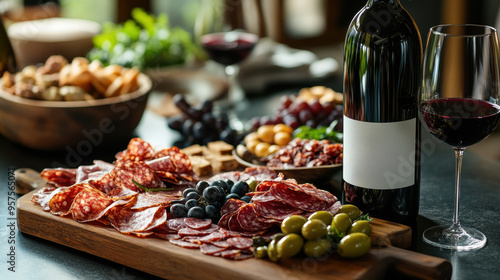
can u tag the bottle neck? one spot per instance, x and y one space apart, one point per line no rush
370 2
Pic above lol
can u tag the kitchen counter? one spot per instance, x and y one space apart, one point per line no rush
480 193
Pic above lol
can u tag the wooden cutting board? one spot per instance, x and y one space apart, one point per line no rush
160 258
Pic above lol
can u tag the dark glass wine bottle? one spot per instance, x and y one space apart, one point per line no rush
7 57
382 64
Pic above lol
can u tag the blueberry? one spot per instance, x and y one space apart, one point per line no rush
212 194
196 212
188 190
201 186
178 211
232 195
212 213
246 198
240 188
191 203
192 195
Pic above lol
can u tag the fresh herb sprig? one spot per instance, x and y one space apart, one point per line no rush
151 190
319 133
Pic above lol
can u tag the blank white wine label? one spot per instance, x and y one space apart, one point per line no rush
379 155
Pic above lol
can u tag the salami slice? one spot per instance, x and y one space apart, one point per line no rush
231 205
210 249
139 172
162 164
234 225
334 209
294 196
230 254
126 220
64 177
247 218
322 195
93 172
198 224
221 243
168 236
274 211
187 231
137 150
43 196
214 236
146 200
224 220
184 244
263 197
240 242
178 158
176 224
264 186
160 218
90 204
60 204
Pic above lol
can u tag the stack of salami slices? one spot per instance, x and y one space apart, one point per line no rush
272 202
110 193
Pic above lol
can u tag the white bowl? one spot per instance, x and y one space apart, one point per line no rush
35 40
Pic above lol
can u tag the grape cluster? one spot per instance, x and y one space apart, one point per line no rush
206 199
296 112
201 125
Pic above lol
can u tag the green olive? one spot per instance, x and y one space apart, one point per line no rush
278 236
324 216
272 251
362 226
261 252
293 224
290 245
313 229
316 248
341 222
351 210
354 245
252 184
259 241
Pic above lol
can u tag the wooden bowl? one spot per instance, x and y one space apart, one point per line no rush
76 125
301 174
36 40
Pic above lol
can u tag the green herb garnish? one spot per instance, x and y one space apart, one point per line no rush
151 190
319 133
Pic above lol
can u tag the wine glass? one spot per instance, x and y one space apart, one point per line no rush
459 105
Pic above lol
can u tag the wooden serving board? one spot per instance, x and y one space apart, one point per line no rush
173 262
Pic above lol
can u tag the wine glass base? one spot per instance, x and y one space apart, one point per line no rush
468 239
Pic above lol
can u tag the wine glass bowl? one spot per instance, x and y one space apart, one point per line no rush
459 105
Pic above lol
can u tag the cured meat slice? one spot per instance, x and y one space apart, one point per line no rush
137 150
178 158
264 186
231 205
240 242
159 219
263 197
187 231
221 243
234 225
125 176
90 204
250 173
126 220
176 224
224 220
60 204
162 164
214 236
64 177
247 218
146 200
210 249
322 195
274 211
334 209
184 244
168 236
198 224
44 194
294 196
93 172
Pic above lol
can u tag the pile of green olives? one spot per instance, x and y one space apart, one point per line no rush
318 235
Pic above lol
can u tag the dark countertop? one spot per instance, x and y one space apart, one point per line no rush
480 207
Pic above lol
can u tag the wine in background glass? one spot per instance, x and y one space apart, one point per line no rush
459 104
229 49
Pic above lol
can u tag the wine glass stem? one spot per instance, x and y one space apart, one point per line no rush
459 152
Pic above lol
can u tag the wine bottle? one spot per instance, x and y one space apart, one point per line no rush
7 57
382 64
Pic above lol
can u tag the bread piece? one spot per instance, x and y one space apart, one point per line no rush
220 147
193 150
222 163
201 166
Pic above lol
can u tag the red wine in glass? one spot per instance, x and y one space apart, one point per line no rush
459 122
229 48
